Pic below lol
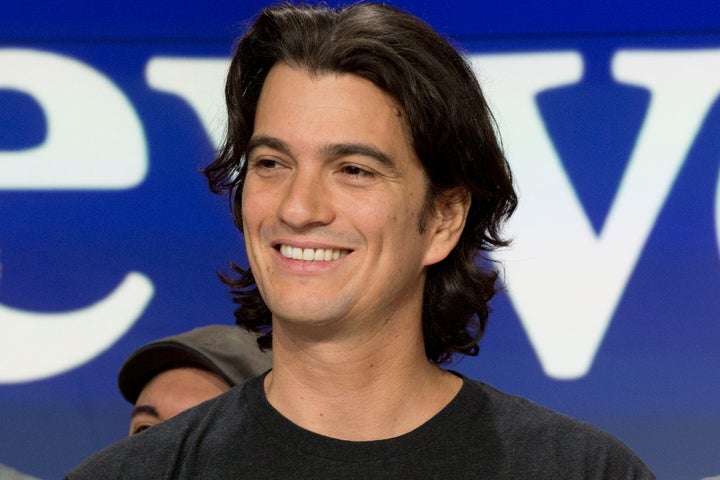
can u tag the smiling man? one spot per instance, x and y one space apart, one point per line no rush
367 179
331 173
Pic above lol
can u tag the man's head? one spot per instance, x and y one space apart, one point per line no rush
448 125
170 375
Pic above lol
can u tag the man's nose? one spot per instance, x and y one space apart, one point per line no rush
306 201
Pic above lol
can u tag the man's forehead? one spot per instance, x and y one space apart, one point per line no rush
289 72
352 98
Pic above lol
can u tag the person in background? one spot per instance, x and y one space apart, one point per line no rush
173 374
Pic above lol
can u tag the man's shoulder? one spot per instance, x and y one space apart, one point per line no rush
516 413
520 425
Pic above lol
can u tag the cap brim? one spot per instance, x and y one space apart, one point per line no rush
157 357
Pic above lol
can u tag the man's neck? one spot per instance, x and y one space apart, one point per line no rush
358 393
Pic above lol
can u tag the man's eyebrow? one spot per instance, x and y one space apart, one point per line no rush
335 150
269 142
147 409
364 149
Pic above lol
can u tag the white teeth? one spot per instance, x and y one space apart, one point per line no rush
312 254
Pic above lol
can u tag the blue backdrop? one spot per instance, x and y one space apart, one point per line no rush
109 237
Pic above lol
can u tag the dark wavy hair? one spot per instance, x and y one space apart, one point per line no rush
453 134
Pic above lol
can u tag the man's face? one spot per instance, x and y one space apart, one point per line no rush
331 203
171 392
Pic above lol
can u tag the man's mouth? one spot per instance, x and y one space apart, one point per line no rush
312 254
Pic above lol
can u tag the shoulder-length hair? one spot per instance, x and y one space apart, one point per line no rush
452 130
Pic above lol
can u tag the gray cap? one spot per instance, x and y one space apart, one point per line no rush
229 351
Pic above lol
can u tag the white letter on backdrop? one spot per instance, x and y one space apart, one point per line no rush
198 81
95 141
564 280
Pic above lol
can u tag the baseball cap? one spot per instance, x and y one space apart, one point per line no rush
229 351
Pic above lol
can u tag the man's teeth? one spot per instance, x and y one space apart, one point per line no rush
311 254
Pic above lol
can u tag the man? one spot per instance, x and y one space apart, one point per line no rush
173 374
367 180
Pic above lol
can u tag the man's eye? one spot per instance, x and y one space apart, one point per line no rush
356 171
267 163
141 428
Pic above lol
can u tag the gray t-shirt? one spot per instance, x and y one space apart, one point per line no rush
482 433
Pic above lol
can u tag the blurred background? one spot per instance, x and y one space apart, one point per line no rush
109 237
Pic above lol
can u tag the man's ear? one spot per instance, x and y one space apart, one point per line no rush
449 214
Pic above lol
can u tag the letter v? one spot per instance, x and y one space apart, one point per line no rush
204 94
564 281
